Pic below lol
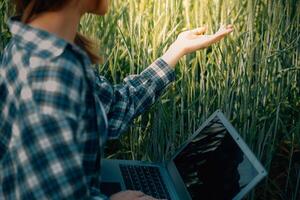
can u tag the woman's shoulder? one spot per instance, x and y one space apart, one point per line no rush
17 60
31 47
42 71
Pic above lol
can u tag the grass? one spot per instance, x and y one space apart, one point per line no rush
253 76
4 33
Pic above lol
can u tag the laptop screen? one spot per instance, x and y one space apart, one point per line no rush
212 165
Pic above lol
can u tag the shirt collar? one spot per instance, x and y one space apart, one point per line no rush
39 40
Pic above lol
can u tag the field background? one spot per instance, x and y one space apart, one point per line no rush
253 77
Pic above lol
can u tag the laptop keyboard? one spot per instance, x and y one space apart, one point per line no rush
146 179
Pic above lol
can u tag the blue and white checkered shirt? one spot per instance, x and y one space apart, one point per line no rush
57 113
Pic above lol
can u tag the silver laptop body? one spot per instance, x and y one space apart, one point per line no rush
213 164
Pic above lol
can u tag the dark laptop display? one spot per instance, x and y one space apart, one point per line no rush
213 166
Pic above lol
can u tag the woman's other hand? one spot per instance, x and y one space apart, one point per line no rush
131 195
193 40
190 41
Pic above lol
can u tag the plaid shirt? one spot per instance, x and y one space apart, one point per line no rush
57 113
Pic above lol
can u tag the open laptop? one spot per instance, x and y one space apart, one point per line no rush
213 164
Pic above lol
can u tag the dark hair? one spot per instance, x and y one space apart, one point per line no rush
28 8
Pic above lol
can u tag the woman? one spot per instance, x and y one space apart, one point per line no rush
57 113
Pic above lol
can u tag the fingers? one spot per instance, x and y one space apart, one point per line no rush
136 193
190 41
221 33
224 30
146 197
208 40
230 26
200 31
127 195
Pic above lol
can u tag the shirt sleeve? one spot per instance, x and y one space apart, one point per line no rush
136 94
48 155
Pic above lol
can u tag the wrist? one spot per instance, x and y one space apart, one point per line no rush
173 55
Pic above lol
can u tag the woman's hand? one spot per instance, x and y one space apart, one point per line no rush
193 40
131 195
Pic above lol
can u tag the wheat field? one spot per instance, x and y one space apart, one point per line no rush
253 76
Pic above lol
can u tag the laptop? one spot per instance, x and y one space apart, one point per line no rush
213 164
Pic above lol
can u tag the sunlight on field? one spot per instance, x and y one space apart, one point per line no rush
253 77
